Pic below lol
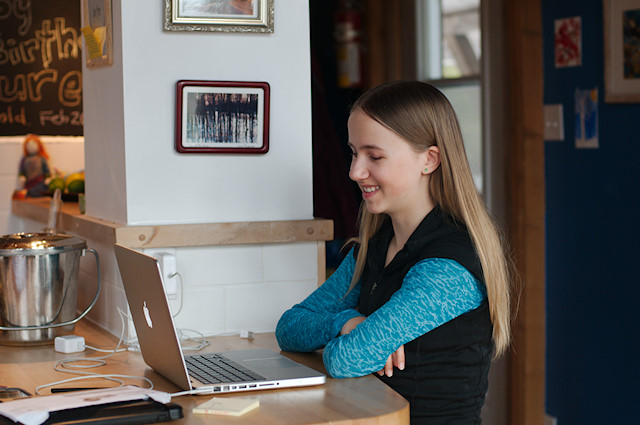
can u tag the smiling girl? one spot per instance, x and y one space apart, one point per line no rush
422 299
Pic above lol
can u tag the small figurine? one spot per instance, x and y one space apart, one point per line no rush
34 168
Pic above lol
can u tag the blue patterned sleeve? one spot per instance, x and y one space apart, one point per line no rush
433 292
318 319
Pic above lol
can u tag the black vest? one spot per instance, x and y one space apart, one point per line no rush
446 374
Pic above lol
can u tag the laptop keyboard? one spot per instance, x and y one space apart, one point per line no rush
216 369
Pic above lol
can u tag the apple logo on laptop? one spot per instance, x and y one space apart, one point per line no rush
147 316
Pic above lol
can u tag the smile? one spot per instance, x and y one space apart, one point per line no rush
370 189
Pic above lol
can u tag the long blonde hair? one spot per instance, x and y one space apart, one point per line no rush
423 117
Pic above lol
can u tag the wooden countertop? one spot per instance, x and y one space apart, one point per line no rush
363 400
155 236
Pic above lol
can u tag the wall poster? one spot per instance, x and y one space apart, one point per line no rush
586 119
568 42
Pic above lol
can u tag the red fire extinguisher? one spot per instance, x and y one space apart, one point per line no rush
348 37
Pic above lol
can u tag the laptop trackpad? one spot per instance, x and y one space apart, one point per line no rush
271 365
277 362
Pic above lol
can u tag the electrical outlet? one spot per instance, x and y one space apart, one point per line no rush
167 260
553 122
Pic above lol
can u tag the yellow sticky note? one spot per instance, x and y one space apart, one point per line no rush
93 47
227 406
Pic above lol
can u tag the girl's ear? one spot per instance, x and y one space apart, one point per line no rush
431 160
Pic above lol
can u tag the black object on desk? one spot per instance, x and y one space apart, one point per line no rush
68 390
12 393
134 412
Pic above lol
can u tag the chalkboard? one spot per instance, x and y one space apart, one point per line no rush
40 67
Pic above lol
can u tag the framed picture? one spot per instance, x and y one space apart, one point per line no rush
568 42
621 50
219 15
98 32
222 117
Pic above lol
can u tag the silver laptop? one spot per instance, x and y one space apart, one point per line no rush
229 371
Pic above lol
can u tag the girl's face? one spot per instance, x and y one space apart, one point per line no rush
389 172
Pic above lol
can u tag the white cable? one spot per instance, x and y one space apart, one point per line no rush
65 365
104 351
196 391
181 393
181 293
202 341
111 377
133 345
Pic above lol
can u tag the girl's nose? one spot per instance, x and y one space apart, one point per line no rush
357 170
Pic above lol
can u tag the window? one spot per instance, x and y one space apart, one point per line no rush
449 52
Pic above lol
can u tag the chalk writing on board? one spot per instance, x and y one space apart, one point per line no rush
18 9
40 63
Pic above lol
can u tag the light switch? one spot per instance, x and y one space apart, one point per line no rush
553 122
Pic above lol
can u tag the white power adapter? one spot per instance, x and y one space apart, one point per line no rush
68 344
246 334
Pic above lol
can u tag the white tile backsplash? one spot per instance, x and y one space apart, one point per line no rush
290 262
203 310
112 296
17 224
66 157
108 265
87 284
117 297
7 223
220 265
258 307
227 289
8 183
10 154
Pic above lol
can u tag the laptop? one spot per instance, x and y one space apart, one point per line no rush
207 373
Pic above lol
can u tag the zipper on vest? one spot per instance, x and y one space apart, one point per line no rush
373 288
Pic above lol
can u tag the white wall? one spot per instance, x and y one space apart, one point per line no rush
138 94
66 154
134 176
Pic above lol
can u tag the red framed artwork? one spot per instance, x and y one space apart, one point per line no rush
222 117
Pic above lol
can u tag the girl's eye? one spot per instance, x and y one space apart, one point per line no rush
375 158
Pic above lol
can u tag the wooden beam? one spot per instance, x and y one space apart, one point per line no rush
157 236
241 233
526 203
390 44
375 50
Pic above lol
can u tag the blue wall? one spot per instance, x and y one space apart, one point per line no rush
592 242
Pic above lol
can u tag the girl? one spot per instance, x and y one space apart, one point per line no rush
423 297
